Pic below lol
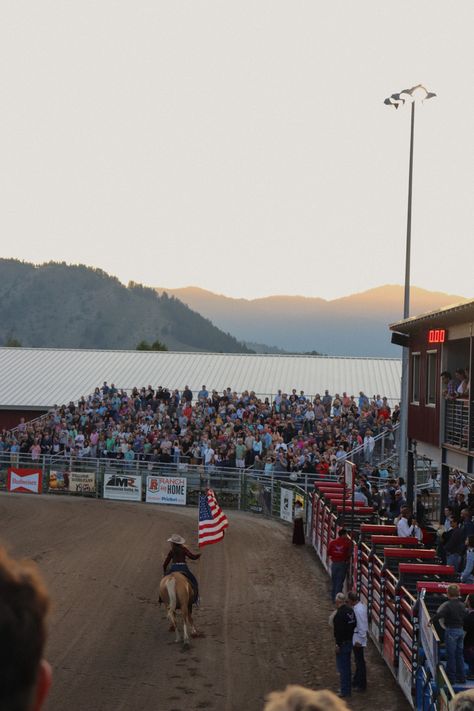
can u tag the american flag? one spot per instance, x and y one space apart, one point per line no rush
212 520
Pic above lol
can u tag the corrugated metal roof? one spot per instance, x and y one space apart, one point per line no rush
43 377
455 313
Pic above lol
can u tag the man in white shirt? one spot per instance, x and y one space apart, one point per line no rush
404 528
359 642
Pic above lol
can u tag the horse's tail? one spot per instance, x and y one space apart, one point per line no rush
171 588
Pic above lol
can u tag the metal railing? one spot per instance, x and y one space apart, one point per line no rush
243 489
385 447
456 423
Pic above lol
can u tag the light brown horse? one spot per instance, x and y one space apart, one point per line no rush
177 593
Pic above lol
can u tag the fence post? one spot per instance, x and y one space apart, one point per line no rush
43 473
271 495
97 475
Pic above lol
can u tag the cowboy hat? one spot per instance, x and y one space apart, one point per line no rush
176 539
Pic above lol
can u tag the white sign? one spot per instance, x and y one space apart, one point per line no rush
123 487
24 482
286 505
166 490
349 474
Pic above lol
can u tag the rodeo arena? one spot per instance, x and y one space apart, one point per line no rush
212 528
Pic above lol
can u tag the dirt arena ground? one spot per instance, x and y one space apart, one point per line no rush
264 613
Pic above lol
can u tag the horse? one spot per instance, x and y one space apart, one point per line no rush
177 593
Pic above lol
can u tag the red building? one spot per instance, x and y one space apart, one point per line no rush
441 402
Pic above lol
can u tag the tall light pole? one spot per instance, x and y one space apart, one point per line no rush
411 96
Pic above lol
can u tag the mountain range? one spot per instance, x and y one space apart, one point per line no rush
355 325
63 306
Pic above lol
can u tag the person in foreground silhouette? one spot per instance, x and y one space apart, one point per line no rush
25 677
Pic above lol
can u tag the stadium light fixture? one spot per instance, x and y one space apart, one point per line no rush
418 93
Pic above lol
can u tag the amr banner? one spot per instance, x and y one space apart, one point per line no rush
123 487
166 490
25 481
286 504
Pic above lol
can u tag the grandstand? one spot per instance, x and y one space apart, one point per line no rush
32 380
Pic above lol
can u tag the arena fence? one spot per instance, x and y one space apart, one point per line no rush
402 584
272 495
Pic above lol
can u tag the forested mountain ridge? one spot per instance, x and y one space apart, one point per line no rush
74 306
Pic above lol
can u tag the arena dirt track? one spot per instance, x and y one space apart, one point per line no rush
109 642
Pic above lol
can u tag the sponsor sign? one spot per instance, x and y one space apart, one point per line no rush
123 487
286 505
58 480
166 490
349 474
25 481
428 639
404 679
82 482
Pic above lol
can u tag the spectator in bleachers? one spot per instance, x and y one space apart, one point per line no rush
453 613
162 427
467 575
454 544
467 524
406 525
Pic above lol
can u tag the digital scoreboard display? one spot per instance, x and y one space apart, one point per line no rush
436 335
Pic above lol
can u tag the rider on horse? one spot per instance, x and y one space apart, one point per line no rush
177 557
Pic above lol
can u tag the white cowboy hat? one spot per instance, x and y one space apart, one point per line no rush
179 540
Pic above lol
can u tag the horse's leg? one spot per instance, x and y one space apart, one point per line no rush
185 628
194 632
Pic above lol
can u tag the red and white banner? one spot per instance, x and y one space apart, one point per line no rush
26 481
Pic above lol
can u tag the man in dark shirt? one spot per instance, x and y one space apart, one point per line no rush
344 623
454 547
453 613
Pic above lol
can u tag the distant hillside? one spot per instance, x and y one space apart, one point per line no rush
353 325
65 306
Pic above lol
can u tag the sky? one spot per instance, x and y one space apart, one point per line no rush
242 147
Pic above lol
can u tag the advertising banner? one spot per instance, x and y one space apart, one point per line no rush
428 639
123 487
25 481
166 490
82 482
286 505
58 480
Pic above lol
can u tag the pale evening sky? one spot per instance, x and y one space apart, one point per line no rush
243 147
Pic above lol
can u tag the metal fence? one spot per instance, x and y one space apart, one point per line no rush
242 489
456 423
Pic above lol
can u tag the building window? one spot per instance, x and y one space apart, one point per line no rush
431 378
415 378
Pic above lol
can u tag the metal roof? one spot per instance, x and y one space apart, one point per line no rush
42 377
447 316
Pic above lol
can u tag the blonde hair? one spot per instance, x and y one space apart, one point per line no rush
297 698
464 701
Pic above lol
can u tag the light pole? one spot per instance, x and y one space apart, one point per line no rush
411 96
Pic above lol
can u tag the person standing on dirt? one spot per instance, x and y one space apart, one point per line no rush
339 551
25 677
298 525
176 559
344 623
359 642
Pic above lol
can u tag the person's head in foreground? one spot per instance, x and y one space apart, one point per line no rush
453 591
297 698
25 677
464 701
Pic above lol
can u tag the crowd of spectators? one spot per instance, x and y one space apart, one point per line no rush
286 433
